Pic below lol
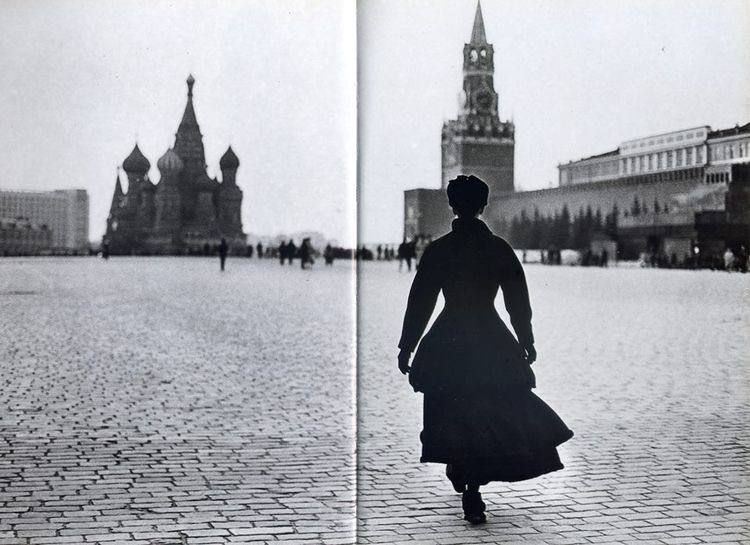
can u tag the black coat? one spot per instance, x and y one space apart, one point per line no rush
469 349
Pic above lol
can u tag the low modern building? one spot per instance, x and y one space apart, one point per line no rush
64 212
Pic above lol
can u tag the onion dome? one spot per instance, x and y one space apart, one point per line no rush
169 163
229 160
136 162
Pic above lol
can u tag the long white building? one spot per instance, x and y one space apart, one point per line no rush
65 212
662 153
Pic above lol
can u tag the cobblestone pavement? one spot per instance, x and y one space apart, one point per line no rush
648 367
157 401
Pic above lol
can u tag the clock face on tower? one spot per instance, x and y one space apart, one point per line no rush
484 100
473 55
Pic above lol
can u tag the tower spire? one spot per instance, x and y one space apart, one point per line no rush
477 32
188 117
118 184
116 196
188 140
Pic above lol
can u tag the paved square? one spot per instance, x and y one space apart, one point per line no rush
648 367
159 402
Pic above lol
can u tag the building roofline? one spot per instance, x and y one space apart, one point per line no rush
637 138
611 153
40 191
732 131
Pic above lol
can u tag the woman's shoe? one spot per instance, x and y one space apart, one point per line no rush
456 477
473 507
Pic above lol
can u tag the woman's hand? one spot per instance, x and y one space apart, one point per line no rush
403 361
530 353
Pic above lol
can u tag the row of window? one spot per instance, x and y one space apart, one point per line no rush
730 151
672 175
665 139
718 177
587 172
661 160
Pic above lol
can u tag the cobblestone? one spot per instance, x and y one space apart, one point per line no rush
648 367
159 402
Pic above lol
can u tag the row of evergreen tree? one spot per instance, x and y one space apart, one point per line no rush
565 231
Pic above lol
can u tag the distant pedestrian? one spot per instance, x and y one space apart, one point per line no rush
222 253
742 257
259 249
105 250
291 251
481 418
305 253
402 251
380 252
328 255
605 258
282 252
249 251
728 259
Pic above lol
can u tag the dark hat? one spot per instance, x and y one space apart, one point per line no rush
467 193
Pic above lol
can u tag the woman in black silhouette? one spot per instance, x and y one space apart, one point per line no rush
480 417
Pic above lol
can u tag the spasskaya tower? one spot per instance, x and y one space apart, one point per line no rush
477 142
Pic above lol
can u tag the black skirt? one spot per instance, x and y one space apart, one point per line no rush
509 436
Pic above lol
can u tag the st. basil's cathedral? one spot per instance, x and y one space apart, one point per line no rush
186 211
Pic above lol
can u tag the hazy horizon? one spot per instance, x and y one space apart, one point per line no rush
280 81
577 78
84 80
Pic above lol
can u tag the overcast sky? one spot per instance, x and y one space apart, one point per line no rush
577 77
275 79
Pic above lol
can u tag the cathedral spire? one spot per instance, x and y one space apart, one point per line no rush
477 32
189 120
116 197
188 140
118 186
